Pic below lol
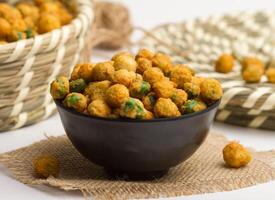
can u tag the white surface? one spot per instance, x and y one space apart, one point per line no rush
147 14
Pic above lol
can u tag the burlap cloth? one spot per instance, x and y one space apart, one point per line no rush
204 172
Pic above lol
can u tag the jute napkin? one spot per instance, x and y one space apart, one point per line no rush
204 172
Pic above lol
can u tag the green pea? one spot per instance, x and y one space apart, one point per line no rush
130 105
29 33
144 88
78 85
189 106
73 99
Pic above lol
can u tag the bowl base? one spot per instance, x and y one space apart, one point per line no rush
135 176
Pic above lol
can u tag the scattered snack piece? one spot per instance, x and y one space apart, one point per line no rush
270 74
252 74
251 61
225 63
46 165
60 87
235 155
166 108
130 87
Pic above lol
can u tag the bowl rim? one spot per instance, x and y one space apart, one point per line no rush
213 106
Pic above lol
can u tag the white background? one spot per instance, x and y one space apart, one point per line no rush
147 14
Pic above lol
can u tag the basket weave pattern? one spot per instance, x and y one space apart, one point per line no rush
203 40
28 66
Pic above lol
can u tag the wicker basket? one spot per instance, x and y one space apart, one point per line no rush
28 66
199 42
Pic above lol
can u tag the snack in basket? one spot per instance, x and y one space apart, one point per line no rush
146 86
46 165
225 63
235 155
26 19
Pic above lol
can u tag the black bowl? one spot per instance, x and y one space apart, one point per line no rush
138 148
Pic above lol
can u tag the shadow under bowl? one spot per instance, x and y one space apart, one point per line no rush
137 149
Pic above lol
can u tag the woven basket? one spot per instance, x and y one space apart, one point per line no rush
201 41
28 66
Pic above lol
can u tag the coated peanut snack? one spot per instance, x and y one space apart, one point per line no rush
252 68
146 86
235 155
26 19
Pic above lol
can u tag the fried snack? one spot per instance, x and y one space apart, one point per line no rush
252 74
166 108
179 97
211 90
249 61
78 85
99 108
143 64
76 101
153 75
103 71
60 88
235 155
133 108
139 89
149 101
5 29
163 88
97 90
148 115
192 71
124 61
28 10
145 53
225 63
180 75
124 77
162 62
48 22
116 95
114 90
192 106
270 74
193 90
84 71
46 165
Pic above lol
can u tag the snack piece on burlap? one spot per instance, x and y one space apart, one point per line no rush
204 172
